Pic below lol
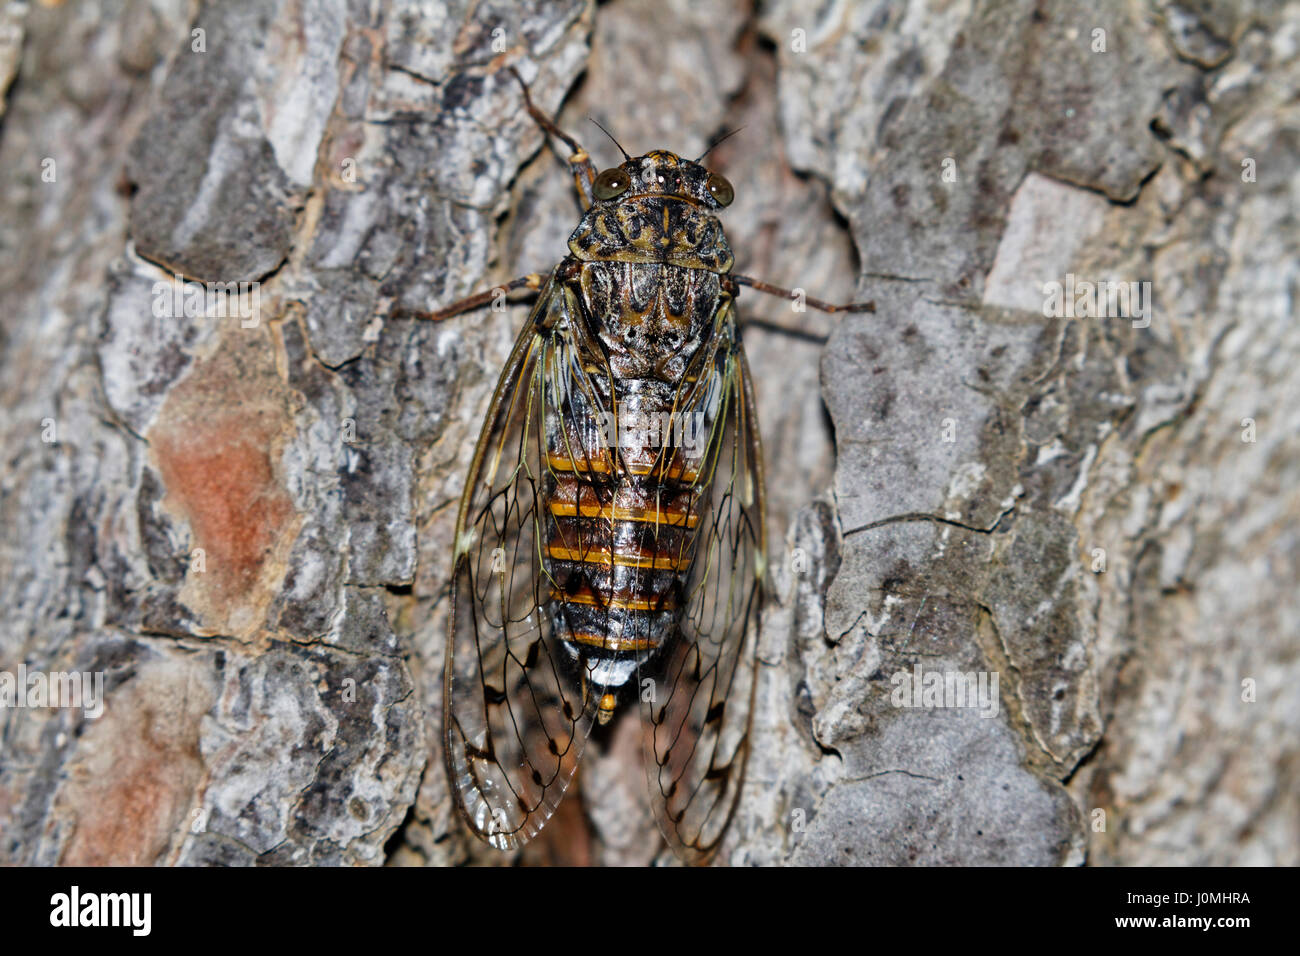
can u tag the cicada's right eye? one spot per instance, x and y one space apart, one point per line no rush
720 189
611 183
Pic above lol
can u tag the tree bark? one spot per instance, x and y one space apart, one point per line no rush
244 521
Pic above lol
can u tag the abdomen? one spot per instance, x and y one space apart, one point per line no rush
620 529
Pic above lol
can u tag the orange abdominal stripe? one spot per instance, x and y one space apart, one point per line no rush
616 601
674 472
615 644
658 562
671 516
569 463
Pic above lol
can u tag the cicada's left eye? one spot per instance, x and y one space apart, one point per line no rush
611 183
721 190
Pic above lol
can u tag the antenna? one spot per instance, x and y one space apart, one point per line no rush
611 136
718 142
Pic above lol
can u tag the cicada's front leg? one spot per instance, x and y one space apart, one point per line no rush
584 178
584 170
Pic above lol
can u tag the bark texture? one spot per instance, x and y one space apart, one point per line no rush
245 524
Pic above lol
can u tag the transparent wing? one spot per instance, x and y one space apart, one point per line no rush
514 718
697 711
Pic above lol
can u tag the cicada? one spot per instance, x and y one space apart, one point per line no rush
610 547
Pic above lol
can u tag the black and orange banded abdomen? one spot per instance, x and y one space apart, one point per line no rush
619 539
623 488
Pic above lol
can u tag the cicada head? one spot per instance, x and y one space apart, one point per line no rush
661 173
656 208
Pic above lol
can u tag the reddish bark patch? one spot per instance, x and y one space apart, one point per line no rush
216 445
219 474
133 783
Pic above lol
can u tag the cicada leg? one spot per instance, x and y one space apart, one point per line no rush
533 281
584 177
798 296
584 170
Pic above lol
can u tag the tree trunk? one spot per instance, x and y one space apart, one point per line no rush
239 509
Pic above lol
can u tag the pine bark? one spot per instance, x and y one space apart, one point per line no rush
245 522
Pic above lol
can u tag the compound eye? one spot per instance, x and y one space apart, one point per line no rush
720 190
611 183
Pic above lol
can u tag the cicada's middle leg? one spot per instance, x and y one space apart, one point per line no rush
733 282
533 281
794 295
